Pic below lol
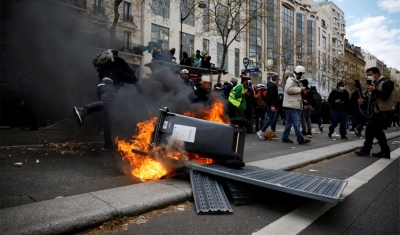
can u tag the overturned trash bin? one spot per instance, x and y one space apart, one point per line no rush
222 142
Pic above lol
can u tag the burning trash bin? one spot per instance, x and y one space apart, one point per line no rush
222 142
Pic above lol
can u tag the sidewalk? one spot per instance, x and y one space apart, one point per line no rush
73 213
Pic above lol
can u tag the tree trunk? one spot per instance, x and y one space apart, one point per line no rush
221 66
115 22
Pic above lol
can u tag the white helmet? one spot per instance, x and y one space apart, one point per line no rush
184 71
300 69
260 86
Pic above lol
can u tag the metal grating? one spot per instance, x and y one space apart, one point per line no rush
241 193
315 187
208 193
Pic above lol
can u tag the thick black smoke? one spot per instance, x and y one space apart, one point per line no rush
55 54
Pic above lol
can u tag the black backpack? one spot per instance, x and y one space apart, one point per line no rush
317 98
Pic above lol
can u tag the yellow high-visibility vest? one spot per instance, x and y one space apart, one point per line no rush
236 101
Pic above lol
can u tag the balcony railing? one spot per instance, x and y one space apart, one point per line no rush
127 17
120 45
99 10
76 3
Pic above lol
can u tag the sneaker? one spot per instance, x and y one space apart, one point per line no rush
361 153
305 141
261 134
287 141
110 149
321 129
382 155
224 72
357 132
345 138
78 115
309 135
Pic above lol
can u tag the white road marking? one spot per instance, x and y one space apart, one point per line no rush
299 219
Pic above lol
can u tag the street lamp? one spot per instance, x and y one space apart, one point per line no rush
201 5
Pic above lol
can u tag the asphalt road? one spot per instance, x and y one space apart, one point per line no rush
372 208
71 163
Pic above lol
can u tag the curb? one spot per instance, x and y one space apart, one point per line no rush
74 213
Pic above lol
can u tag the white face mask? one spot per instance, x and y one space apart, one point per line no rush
370 77
341 88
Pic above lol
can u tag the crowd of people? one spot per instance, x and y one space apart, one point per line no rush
264 104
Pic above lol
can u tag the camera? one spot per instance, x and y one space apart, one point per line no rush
369 82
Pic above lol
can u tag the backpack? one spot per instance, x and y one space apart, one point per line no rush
259 101
317 98
103 58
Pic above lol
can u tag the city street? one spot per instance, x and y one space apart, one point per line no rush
70 163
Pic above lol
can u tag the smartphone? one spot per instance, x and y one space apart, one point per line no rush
369 82
357 83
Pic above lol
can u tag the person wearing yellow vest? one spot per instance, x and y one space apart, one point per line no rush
237 99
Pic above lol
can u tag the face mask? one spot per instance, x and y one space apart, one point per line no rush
341 88
370 77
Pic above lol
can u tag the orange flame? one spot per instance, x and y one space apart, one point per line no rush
215 113
147 168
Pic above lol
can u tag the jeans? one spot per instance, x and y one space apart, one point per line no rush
260 118
374 129
272 119
292 118
339 116
306 119
106 92
197 64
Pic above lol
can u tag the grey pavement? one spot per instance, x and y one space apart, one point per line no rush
73 213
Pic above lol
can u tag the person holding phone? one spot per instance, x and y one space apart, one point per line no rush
380 102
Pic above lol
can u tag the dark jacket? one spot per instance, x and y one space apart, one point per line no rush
272 95
344 100
119 71
205 63
186 60
228 88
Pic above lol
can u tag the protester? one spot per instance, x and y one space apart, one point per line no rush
237 100
186 60
113 73
272 106
339 101
260 96
317 107
293 103
380 101
308 103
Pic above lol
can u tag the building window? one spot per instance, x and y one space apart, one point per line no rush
160 33
221 21
237 27
324 42
161 8
187 43
186 7
255 36
310 43
127 16
206 45
98 9
272 36
299 38
127 40
206 16
220 51
287 39
319 36
237 62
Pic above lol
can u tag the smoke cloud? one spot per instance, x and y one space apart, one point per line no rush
54 44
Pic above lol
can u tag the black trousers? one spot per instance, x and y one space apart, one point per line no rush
374 129
106 92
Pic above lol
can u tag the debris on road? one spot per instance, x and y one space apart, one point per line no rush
37 161
18 164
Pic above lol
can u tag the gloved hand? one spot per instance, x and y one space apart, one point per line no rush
139 88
